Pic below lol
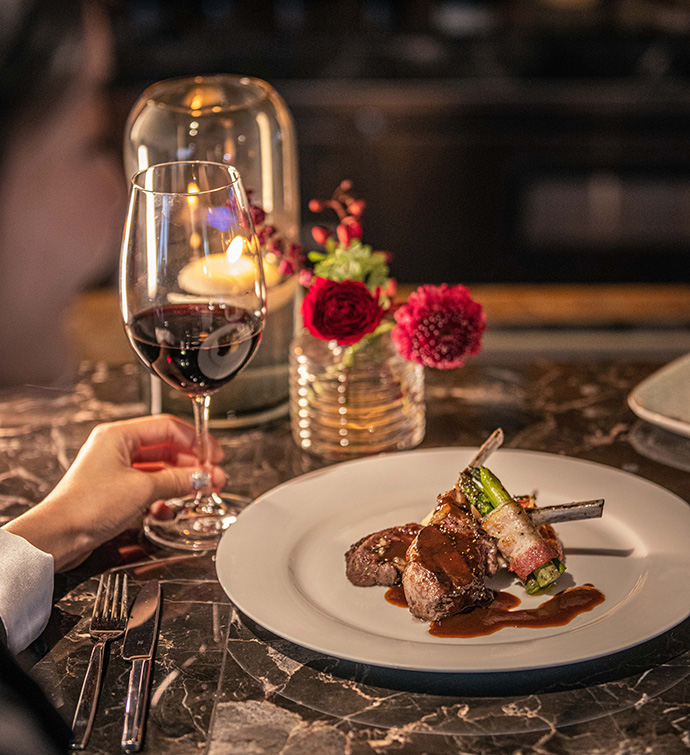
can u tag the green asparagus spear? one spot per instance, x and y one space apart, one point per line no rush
493 488
475 474
544 575
474 494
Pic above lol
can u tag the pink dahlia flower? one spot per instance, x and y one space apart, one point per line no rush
439 326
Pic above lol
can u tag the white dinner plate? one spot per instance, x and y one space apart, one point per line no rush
663 398
283 565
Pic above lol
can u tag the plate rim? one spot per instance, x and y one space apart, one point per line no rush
666 421
358 657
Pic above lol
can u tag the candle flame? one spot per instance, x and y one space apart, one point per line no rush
192 189
235 249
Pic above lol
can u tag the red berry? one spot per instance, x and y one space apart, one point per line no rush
349 229
356 207
320 234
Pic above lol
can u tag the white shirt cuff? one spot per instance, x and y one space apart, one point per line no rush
26 590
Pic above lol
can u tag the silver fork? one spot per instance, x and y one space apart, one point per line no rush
107 622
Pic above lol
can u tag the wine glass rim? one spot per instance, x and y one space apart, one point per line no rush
153 93
233 178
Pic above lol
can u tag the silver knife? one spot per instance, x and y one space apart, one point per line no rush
138 647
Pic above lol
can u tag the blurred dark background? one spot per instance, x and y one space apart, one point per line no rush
524 141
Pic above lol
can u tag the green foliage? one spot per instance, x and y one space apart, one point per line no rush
356 262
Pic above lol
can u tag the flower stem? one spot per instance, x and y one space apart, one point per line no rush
350 352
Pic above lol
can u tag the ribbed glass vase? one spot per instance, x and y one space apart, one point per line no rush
354 401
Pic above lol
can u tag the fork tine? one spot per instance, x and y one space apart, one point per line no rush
123 603
111 604
100 596
105 608
114 600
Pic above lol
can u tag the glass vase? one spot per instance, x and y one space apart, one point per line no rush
241 121
354 401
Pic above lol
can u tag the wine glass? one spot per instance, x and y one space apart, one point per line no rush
193 302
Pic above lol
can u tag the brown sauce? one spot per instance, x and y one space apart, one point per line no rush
482 620
454 557
396 596
555 612
395 549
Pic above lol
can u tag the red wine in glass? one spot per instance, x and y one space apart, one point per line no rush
195 348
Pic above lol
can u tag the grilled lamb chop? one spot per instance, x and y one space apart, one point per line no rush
448 562
379 559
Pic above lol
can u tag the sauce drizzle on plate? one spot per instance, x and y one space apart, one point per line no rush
559 610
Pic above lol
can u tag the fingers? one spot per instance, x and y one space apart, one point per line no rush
174 482
165 454
158 432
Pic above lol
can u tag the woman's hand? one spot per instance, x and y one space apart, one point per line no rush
121 470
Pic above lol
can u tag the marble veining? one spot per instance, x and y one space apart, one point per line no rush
459 704
223 685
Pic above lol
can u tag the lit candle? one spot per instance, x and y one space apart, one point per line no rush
229 274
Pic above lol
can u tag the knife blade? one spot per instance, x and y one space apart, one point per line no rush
138 647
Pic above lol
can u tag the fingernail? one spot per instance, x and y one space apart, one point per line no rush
160 510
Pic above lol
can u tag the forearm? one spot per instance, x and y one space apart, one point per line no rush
49 529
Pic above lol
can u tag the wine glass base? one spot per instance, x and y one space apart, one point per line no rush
194 530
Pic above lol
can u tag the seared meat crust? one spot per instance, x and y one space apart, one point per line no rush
448 561
379 558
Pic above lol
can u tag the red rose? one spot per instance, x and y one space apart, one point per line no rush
344 311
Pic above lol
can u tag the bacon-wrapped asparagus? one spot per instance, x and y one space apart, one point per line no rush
532 558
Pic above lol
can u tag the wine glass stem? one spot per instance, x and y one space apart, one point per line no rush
201 406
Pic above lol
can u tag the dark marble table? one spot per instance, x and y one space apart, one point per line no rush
223 685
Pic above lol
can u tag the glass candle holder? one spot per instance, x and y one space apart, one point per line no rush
240 121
